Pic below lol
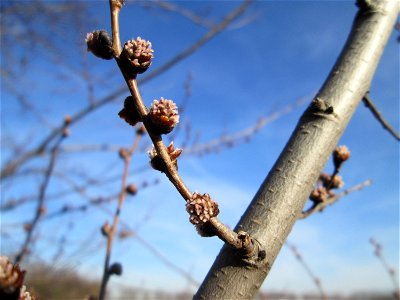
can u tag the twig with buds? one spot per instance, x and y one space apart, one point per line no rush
41 209
135 58
322 195
390 270
109 231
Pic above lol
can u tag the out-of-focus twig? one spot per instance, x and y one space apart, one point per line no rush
378 115
40 210
391 271
126 155
242 135
318 207
304 264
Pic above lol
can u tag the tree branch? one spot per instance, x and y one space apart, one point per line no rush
377 114
277 204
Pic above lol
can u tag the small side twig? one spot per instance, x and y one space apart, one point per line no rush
304 264
391 271
378 115
317 207
111 231
40 210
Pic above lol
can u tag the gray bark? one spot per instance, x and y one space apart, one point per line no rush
274 209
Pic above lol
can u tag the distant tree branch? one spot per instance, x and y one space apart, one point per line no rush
378 115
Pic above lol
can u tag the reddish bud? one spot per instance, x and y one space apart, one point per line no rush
100 44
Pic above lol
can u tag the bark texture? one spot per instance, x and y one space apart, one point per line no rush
280 199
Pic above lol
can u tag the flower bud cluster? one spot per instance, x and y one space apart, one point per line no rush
137 56
11 281
201 208
157 163
326 183
164 115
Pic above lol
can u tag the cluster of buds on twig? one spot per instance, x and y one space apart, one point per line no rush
136 56
326 183
11 281
201 208
157 163
163 115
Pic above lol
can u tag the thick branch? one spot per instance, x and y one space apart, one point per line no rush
282 195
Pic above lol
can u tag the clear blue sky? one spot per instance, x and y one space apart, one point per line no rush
278 52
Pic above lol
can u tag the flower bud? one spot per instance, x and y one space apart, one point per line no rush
157 163
340 155
129 113
105 229
201 208
100 44
11 278
164 115
136 56
132 189
319 195
123 153
115 269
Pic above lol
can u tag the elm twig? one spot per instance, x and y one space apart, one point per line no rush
40 210
126 155
240 241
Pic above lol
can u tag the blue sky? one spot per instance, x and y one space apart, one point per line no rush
277 53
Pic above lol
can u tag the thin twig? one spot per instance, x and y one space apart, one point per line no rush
320 206
40 205
391 271
114 226
378 115
304 264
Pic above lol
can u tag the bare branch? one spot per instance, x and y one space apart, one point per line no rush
378 115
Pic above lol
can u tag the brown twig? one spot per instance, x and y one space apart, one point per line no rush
41 199
241 241
242 135
304 264
113 229
378 115
391 271
320 206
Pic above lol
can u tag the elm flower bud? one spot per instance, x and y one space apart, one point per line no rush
137 56
157 163
201 208
129 113
100 44
124 153
319 195
105 229
337 182
115 269
340 155
164 115
132 189
11 278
